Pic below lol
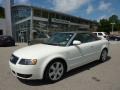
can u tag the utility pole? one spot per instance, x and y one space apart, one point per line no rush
112 27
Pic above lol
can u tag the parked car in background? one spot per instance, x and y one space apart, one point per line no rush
62 52
101 35
7 41
114 37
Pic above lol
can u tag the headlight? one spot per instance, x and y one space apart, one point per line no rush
28 61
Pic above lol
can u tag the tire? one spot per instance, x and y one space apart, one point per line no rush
54 71
104 55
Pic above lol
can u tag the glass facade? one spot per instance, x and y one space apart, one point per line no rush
19 13
56 21
41 20
39 28
40 25
40 13
23 31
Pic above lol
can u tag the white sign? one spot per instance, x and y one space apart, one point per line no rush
40 18
60 21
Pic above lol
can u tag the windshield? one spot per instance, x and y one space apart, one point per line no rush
59 39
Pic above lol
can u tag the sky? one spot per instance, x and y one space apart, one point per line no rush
89 9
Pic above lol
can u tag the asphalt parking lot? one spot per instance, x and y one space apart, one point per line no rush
94 76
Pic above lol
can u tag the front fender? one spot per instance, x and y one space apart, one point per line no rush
46 61
105 46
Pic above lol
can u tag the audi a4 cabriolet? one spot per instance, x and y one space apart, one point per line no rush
62 52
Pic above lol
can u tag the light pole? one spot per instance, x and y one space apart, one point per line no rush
112 27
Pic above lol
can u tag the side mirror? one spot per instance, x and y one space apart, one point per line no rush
76 42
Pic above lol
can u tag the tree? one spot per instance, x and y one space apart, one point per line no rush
114 19
105 24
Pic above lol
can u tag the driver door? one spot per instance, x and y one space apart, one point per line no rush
83 53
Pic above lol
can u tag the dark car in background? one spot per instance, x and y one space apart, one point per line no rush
7 41
114 37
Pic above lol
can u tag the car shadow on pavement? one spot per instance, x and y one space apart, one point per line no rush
85 67
67 75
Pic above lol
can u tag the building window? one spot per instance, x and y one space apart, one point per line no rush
52 15
45 14
40 25
1 32
20 13
2 12
22 31
37 12
40 13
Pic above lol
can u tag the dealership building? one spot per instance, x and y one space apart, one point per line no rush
26 22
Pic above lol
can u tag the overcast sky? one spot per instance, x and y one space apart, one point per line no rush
89 9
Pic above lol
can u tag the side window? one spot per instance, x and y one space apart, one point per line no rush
80 37
90 38
100 34
86 37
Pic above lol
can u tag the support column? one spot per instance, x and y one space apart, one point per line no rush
31 25
8 4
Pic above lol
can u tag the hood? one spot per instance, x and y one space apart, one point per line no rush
37 51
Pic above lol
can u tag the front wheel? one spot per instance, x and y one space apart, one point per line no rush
54 71
104 55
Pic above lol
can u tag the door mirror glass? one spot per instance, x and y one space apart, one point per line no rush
76 42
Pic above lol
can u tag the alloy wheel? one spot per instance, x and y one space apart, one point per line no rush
104 55
56 71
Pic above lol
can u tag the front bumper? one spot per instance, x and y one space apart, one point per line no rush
25 71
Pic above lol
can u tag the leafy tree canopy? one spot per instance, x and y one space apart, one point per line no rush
105 24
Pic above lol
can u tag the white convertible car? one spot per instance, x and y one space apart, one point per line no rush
62 52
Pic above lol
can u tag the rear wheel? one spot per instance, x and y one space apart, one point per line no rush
54 71
104 55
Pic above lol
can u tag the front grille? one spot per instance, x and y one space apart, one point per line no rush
14 59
